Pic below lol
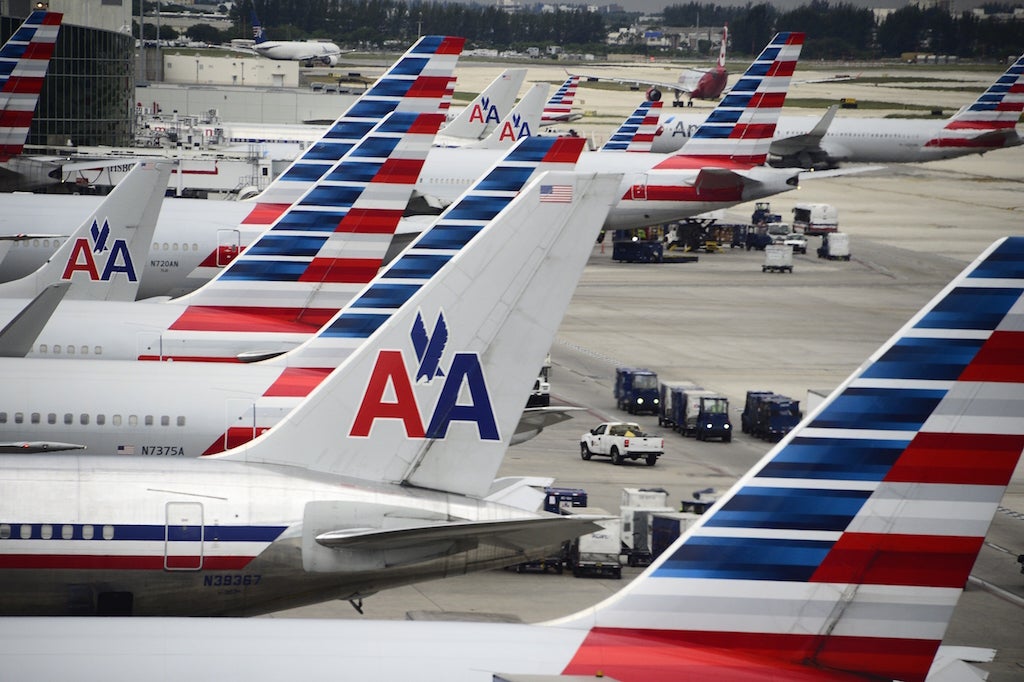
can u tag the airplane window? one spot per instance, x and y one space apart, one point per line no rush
51 418
67 531
84 418
26 531
108 532
87 531
19 417
98 350
35 243
56 349
116 420
85 350
42 348
149 420
34 418
166 246
71 349
195 247
46 531
133 420
69 418
5 531
46 243
101 419
165 420
3 417
181 420
174 246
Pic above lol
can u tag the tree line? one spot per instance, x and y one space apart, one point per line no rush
834 30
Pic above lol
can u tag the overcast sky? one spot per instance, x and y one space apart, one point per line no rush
658 5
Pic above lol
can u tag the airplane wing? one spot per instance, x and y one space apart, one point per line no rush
807 142
18 337
524 533
536 419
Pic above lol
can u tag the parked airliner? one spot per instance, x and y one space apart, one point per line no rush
987 124
839 556
376 480
309 52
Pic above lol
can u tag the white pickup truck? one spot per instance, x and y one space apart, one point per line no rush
621 441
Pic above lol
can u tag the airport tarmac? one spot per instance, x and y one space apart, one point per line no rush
726 325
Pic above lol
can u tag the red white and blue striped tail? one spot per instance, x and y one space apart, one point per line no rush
843 551
559 108
990 122
306 366
637 132
487 110
445 337
23 63
320 252
416 83
739 130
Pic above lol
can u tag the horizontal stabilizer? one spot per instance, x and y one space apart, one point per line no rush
536 419
18 337
516 533
809 141
712 179
25 447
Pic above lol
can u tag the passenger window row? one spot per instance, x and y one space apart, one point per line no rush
84 418
44 349
45 531
168 246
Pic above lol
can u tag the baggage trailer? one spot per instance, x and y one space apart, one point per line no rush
835 246
778 258
670 392
597 554
666 527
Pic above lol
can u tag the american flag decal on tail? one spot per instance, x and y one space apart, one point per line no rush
556 194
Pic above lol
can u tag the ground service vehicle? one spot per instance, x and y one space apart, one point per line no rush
636 390
597 553
621 441
795 241
703 414
667 526
778 258
835 246
815 218
540 396
770 416
556 501
637 509
669 392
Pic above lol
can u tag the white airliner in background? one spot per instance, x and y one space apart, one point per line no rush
840 556
378 479
989 123
309 52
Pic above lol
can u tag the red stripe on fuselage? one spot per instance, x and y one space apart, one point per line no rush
891 559
958 458
252 319
265 214
297 382
685 193
670 656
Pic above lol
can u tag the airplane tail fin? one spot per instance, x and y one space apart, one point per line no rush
522 121
105 257
327 245
449 336
740 129
488 109
257 29
845 548
637 132
721 50
24 59
989 122
416 83
559 108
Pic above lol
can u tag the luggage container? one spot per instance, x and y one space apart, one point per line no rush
777 258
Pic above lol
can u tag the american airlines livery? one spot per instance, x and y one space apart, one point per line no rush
487 110
191 409
720 167
24 60
839 556
196 238
105 258
636 134
989 123
559 108
377 479
522 121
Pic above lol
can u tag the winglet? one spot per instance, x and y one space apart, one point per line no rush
845 548
24 59
19 335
